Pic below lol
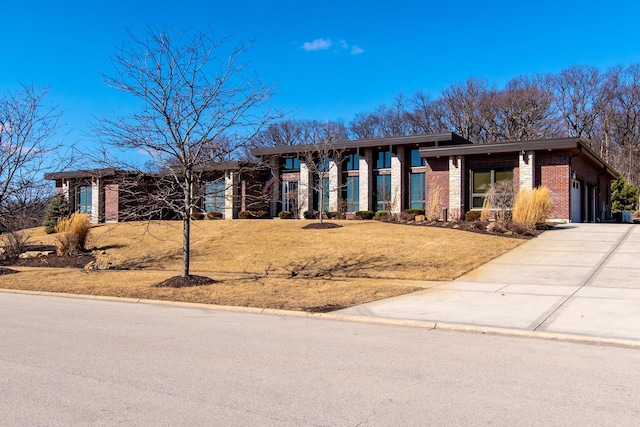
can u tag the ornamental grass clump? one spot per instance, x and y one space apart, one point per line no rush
532 207
72 233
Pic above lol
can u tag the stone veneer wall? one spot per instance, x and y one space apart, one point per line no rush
365 196
456 168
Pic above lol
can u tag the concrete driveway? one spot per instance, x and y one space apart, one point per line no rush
579 279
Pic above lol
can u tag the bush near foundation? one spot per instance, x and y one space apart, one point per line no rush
472 216
381 214
532 207
214 215
414 211
285 215
72 233
365 214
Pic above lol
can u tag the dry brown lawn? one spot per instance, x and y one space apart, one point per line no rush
270 263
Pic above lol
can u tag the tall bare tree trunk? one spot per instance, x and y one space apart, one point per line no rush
186 227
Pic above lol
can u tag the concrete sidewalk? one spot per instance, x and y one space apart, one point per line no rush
579 279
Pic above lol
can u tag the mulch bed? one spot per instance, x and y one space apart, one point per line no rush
75 261
184 282
321 226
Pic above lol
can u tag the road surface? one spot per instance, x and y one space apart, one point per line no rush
66 361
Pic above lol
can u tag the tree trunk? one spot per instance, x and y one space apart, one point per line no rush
186 229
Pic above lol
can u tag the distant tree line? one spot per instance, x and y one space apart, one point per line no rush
581 101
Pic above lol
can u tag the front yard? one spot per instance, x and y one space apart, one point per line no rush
268 263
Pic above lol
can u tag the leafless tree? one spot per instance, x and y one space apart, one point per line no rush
462 113
522 111
323 159
199 103
28 147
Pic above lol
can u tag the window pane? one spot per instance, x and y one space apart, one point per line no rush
83 199
383 160
481 181
214 198
383 192
417 185
504 175
416 160
478 201
353 162
352 193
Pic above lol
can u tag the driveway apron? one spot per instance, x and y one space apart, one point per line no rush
581 279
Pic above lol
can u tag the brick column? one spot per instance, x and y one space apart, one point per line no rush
396 181
229 194
364 192
456 168
334 185
525 170
305 189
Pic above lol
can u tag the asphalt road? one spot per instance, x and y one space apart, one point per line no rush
67 361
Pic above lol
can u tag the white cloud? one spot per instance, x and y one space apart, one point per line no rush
317 44
324 44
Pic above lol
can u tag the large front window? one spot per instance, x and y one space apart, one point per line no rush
483 180
352 193
290 196
417 187
382 195
214 197
83 199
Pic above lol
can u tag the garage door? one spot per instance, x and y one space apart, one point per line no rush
576 201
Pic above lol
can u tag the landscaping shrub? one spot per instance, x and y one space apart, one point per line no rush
532 207
196 216
15 241
414 211
57 208
72 233
260 214
285 215
214 215
310 215
244 215
434 204
381 214
472 216
365 214
621 192
334 215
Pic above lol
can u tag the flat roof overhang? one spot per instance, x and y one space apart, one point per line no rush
556 144
446 138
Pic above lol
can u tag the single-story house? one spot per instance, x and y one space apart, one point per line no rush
393 174
442 171
112 195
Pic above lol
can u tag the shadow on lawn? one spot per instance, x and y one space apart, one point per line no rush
342 266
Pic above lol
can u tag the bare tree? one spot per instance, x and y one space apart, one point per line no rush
322 158
198 105
462 113
28 126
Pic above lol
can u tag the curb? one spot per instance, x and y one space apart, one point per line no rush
454 327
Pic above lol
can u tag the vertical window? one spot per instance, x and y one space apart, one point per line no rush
417 187
383 159
352 193
291 163
214 197
383 192
290 196
416 160
483 179
352 162
83 199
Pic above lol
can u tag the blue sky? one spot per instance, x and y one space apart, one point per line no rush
330 59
